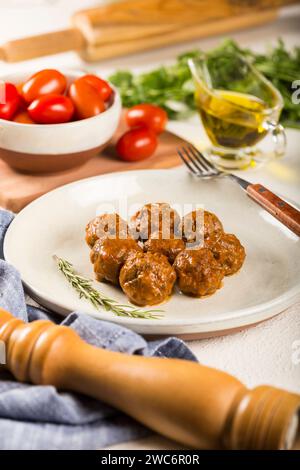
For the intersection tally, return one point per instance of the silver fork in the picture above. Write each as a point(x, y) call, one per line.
point(200, 166)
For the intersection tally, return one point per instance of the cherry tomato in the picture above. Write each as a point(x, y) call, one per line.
point(86, 99)
point(149, 115)
point(23, 104)
point(45, 82)
point(23, 117)
point(12, 101)
point(101, 86)
point(51, 109)
point(19, 87)
point(136, 144)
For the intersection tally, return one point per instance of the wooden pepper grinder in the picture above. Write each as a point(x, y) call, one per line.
point(197, 406)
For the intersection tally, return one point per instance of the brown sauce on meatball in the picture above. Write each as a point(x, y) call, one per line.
point(155, 217)
point(229, 253)
point(147, 278)
point(108, 256)
point(105, 225)
point(170, 247)
point(203, 226)
point(198, 272)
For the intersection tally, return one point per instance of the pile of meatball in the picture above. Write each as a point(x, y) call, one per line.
point(157, 248)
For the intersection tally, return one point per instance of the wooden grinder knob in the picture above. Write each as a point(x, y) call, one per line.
point(195, 405)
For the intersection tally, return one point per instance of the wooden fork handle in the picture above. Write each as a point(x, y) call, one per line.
point(280, 209)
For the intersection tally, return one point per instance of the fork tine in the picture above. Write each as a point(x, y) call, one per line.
point(204, 159)
point(192, 160)
point(193, 157)
point(186, 162)
point(196, 156)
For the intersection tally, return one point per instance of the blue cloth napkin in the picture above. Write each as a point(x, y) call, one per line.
point(40, 417)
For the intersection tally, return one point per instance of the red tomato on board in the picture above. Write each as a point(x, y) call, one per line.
point(12, 101)
point(51, 109)
point(149, 115)
point(42, 83)
point(87, 100)
point(101, 86)
point(23, 118)
point(136, 144)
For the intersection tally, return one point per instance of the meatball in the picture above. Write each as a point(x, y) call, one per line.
point(147, 278)
point(110, 225)
point(170, 247)
point(202, 225)
point(198, 272)
point(108, 256)
point(229, 253)
point(155, 217)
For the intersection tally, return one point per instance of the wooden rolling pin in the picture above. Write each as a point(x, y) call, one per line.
point(136, 25)
point(198, 406)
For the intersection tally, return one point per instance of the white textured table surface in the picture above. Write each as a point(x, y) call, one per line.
point(270, 352)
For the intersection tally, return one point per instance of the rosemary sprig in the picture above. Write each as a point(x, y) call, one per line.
point(86, 290)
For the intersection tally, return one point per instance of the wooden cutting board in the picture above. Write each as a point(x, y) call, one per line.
point(17, 189)
point(131, 26)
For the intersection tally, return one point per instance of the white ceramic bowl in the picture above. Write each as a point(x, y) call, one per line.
point(46, 148)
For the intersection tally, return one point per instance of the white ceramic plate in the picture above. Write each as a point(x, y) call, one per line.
point(55, 224)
